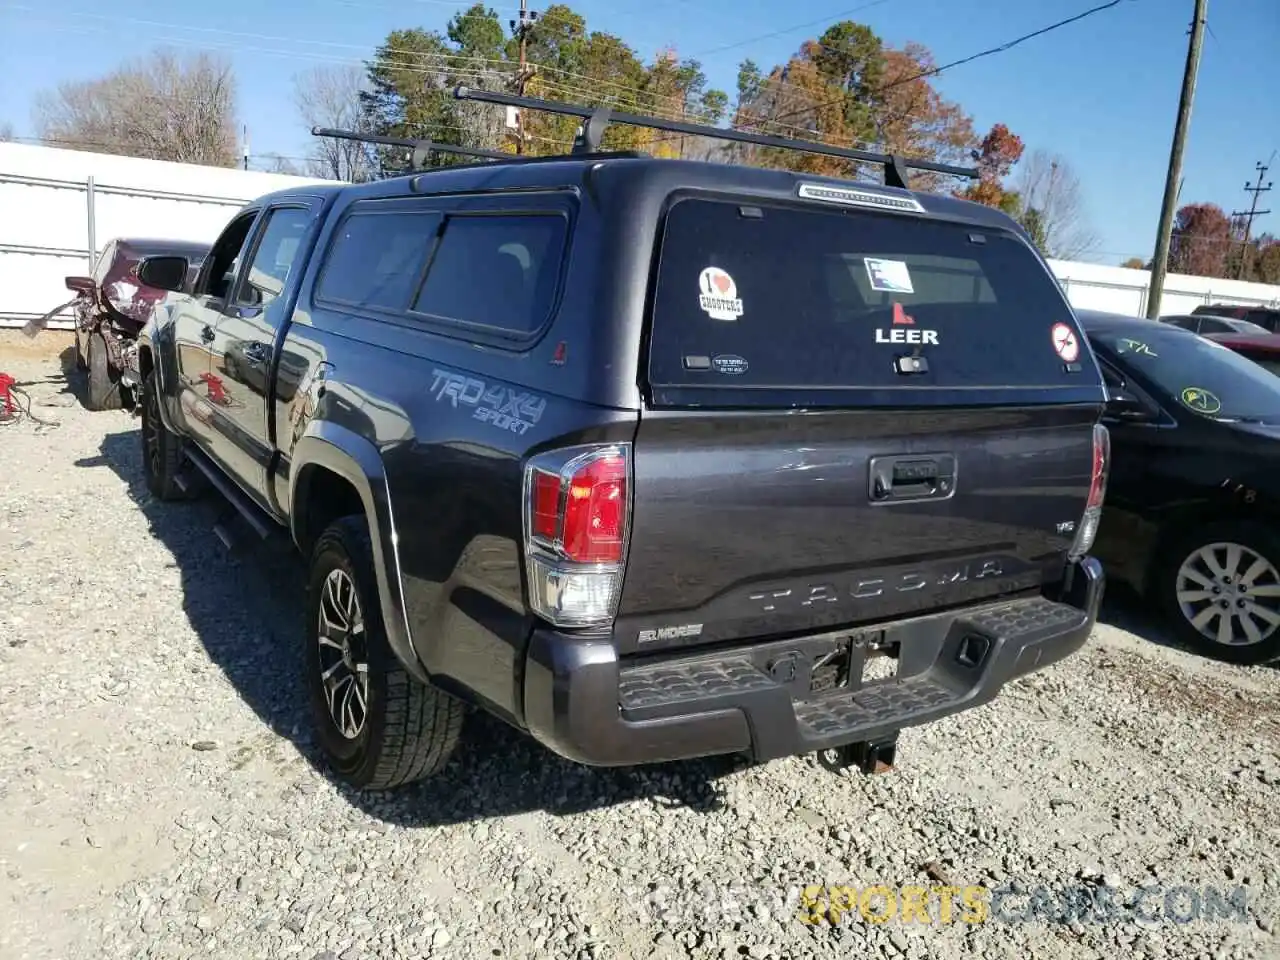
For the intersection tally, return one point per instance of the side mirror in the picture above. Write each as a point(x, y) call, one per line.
point(1122, 403)
point(163, 273)
point(80, 284)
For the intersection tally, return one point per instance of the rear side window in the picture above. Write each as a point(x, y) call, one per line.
point(784, 297)
point(498, 271)
point(493, 270)
point(376, 259)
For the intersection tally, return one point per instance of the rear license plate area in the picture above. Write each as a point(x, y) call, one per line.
point(857, 661)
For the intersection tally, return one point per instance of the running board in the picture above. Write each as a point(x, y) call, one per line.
point(261, 524)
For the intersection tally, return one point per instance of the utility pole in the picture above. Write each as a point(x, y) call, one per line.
point(1249, 217)
point(521, 30)
point(1160, 262)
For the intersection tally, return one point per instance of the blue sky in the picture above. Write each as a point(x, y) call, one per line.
point(1102, 92)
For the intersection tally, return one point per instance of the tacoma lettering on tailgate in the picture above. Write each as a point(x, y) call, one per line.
point(866, 588)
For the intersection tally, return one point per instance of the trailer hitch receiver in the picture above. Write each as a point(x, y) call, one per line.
point(869, 756)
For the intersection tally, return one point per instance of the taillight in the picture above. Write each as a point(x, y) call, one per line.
point(1088, 528)
point(1101, 464)
point(577, 512)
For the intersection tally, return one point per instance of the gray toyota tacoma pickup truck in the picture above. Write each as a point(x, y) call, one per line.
point(652, 459)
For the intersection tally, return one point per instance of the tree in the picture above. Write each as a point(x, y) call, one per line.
point(412, 76)
point(1264, 260)
point(6, 132)
point(1201, 241)
point(999, 150)
point(406, 95)
point(163, 107)
point(1047, 184)
point(847, 88)
point(330, 97)
point(913, 119)
point(1135, 263)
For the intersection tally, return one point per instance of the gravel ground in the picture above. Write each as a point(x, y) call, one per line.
point(159, 796)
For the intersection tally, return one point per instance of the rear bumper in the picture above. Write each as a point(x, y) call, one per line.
point(584, 704)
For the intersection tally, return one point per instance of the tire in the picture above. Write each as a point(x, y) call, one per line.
point(104, 379)
point(1225, 566)
point(162, 456)
point(407, 731)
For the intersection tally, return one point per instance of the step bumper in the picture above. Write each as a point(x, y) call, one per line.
point(585, 704)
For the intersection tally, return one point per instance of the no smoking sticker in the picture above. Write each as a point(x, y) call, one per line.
point(1065, 342)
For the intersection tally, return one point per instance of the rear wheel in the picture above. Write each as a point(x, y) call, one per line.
point(162, 456)
point(1219, 586)
point(104, 379)
point(378, 727)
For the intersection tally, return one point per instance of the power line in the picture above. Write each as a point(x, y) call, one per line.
point(791, 29)
point(992, 51)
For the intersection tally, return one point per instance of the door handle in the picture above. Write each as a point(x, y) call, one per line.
point(206, 333)
point(906, 478)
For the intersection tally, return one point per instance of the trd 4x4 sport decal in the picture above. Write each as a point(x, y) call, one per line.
point(500, 405)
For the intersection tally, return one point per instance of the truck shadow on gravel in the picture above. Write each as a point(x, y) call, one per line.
point(246, 608)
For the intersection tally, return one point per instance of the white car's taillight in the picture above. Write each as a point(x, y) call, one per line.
point(576, 521)
point(1088, 528)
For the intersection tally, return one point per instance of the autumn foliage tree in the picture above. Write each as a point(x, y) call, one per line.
point(1262, 260)
point(999, 151)
point(848, 88)
point(1201, 241)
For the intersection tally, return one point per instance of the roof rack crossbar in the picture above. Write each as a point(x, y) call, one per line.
point(422, 149)
point(598, 118)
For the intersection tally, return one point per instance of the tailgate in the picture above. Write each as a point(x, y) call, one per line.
point(777, 525)
point(852, 415)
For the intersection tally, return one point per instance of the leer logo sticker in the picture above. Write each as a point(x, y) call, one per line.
point(719, 299)
point(1065, 342)
point(898, 335)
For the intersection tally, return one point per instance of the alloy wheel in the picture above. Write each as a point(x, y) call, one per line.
point(344, 661)
point(1230, 594)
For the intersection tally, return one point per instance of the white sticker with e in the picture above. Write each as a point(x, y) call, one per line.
point(718, 295)
point(888, 276)
point(1065, 342)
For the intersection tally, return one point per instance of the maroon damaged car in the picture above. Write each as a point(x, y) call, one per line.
point(112, 306)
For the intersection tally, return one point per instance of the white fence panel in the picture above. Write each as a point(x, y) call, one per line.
point(39, 213)
point(60, 208)
point(118, 213)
